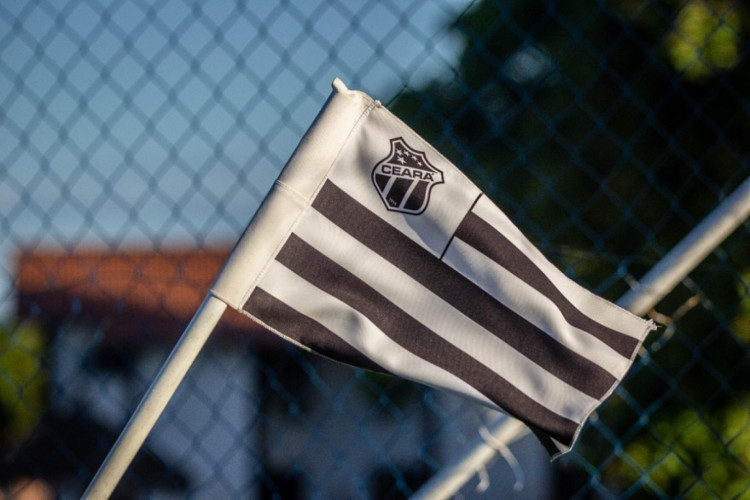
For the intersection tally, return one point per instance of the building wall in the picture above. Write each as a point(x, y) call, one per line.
point(238, 421)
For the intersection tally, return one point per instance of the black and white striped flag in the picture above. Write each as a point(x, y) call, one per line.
point(374, 250)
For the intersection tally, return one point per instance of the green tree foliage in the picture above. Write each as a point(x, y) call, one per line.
point(23, 382)
point(607, 131)
point(689, 453)
point(706, 38)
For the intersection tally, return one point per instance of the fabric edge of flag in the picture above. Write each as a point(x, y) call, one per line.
point(290, 194)
point(649, 326)
point(608, 313)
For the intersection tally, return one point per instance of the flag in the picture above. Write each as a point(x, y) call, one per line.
point(373, 249)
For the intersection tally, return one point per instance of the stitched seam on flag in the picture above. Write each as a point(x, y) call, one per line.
point(450, 240)
point(442, 318)
point(330, 277)
point(287, 188)
point(372, 105)
point(307, 202)
point(411, 258)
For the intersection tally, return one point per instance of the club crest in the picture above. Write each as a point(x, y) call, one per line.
point(405, 178)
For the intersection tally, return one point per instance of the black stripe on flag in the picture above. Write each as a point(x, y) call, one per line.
point(398, 190)
point(482, 236)
point(461, 293)
point(304, 330)
point(332, 278)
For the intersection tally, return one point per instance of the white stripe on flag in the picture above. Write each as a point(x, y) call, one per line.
point(443, 319)
point(358, 331)
point(525, 301)
point(592, 305)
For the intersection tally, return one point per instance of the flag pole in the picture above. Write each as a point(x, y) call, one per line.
point(654, 285)
point(156, 398)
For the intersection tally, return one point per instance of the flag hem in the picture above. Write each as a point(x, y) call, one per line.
point(648, 328)
point(291, 193)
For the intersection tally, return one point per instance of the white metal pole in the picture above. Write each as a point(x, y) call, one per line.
point(445, 483)
point(156, 398)
point(662, 278)
point(693, 248)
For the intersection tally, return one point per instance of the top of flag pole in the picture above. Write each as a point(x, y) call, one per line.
point(319, 147)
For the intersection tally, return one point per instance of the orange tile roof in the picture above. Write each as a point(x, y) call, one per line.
point(130, 295)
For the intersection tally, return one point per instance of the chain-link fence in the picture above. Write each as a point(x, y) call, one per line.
point(137, 139)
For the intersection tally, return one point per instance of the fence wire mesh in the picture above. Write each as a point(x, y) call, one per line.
point(138, 138)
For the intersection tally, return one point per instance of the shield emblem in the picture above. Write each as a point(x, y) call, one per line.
point(405, 178)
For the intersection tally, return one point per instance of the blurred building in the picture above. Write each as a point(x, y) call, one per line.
point(240, 422)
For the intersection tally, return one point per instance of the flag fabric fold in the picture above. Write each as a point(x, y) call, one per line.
point(373, 249)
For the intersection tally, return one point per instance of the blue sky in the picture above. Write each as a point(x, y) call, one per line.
point(163, 123)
